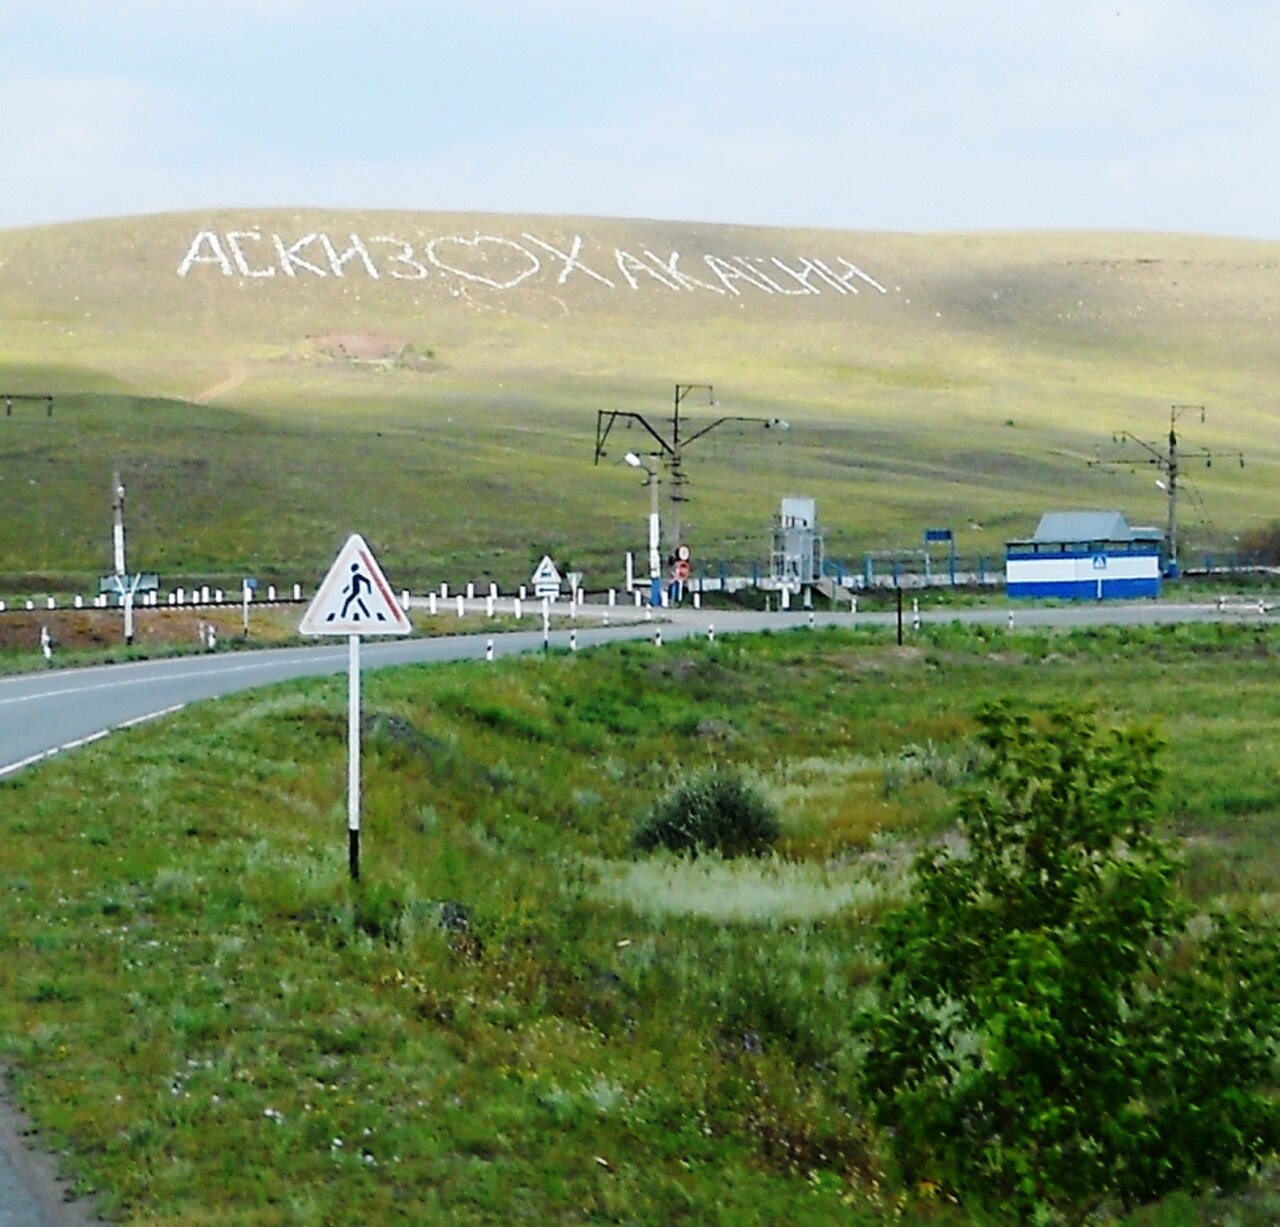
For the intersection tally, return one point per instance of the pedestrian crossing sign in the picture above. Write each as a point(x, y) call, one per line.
point(355, 598)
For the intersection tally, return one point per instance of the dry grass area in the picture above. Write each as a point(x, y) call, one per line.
point(87, 630)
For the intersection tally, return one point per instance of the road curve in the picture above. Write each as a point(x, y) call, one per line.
point(42, 714)
point(47, 712)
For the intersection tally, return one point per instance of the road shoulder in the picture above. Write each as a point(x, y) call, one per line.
point(31, 1192)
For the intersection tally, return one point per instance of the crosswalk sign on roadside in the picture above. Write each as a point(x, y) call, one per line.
point(355, 598)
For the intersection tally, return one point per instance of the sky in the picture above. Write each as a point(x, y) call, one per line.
point(885, 115)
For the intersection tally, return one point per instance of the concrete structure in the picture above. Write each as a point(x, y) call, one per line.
point(1085, 555)
point(795, 560)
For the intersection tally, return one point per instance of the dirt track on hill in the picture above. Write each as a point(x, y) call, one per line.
point(230, 384)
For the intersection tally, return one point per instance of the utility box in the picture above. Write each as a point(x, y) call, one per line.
point(795, 559)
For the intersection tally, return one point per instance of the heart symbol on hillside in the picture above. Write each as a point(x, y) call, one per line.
point(486, 259)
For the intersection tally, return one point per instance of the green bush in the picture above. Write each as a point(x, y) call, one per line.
point(716, 811)
point(1056, 1030)
point(1262, 545)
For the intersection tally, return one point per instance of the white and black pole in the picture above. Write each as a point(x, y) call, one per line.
point(353, 756)
point(117, 522)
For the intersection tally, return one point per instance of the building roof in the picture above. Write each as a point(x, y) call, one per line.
point(1071, 526)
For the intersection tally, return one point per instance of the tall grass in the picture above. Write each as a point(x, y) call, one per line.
point(513, 1016)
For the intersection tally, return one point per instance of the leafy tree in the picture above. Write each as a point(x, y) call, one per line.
point(1055, 1030)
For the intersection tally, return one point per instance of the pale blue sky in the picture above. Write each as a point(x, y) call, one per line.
point(879, 115)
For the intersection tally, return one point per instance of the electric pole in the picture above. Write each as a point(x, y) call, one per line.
point(1169, 463)
point(671, 445)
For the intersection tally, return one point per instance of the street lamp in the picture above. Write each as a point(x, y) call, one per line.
point(655, 530)
point(671, 443)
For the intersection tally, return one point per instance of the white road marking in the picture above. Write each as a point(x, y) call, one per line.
point(116, 683)
point(151, 715)
point(11, 768)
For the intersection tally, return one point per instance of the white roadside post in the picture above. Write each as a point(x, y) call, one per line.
point(354, 600)
point(246, 595)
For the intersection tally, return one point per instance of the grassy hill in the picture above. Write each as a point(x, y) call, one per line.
point(268, 381)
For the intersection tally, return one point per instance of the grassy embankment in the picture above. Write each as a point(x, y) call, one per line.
point(513, 1019)
point(970, 394)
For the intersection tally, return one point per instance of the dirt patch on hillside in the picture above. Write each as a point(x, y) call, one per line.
point(380, 348)
point(361, 346)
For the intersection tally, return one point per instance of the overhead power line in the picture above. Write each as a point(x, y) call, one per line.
point(1169, 461)
point(670, 444)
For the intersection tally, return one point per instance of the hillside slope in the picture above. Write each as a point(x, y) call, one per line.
point(457, 362)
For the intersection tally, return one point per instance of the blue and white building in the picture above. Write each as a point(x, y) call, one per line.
point(1087, 556)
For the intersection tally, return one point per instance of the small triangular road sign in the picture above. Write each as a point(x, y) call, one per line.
point(546, 571)
point(355, 598)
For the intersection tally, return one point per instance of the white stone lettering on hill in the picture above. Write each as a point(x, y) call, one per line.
point(466, 257)
point(291, 261)
point(753, 262)
point(403, 256)
point(809, 269)
point(237, 253)
point(685, 281)
point(503, 263)
point(356, 250)
point(731, 272)
point(570, 259)
point(206, 248)
point(629, 265)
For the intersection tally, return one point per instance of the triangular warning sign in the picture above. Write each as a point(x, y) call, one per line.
point(355, 598)
point(546, 572)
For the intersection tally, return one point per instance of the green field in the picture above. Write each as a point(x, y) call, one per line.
point(450, 417)
point(514, 1018)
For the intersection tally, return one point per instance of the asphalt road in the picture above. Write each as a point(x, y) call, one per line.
point(43, 713)
point(46, 713)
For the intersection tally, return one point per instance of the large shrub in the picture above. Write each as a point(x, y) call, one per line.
point(715, 811)
point(1261, 546)
point(1054, 1030)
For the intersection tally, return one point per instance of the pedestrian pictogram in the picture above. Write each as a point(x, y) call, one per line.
point(354, 598)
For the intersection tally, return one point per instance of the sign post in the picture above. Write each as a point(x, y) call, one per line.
point(354, 599)
point(353, 756)
point(941, 534)
point(126, 587)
